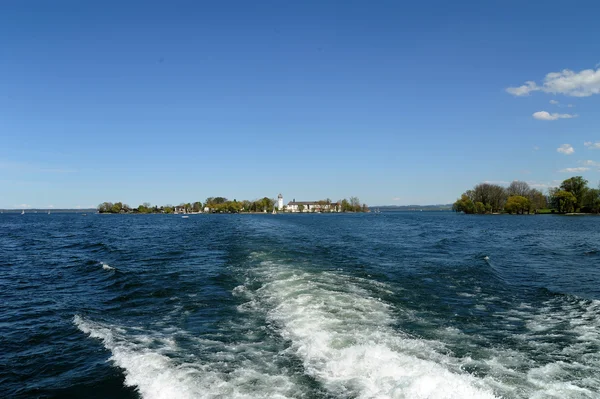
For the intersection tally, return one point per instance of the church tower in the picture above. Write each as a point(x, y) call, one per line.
point(280, 202)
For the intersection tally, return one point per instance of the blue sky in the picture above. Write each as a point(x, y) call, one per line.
point(394, 102)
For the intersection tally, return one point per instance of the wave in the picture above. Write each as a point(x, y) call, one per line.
point(105, 266)
point(345, 339)
point(555, 352)
point(161, 367)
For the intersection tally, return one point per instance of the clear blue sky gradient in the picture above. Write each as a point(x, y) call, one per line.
point(394, 102)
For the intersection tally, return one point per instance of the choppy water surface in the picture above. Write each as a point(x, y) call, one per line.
point(407, 305)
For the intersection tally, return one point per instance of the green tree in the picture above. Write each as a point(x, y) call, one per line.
point(537, 200)
point(355, 204)
point(517, 204)
point(577, 186)
point(197, 206)
point(346, 207)
point(591, 200)
point(489, 194)
point(300, 208)
point(564, 201)
point(479, 208)
point(105, 207)
point(464, 204)
point(246, 206)
point(116, 208)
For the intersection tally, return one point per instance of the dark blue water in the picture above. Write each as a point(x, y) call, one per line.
point(407, 305)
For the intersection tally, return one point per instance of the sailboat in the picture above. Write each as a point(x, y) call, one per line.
point(23, 212)
point(48, 212)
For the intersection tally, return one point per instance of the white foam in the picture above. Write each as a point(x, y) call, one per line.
point(107, 267)
point(557, 355)
point(161, 370)
point(345, 340)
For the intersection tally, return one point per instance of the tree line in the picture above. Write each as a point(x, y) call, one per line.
point(573, 195)
point(224, 205)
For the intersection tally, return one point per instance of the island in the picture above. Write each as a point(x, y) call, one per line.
point(573, 196)
point(223, 205)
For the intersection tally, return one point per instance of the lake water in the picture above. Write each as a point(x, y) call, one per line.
point(394, 305)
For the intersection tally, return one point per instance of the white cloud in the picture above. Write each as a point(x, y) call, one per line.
point(546, 116)
point(553, 102)
point(566, 149)
point(570, 105)
point(567, 82)
point(523, 90)
point(574, 170)
point(592, 146)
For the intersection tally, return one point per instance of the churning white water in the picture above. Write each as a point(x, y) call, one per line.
point(346, 341)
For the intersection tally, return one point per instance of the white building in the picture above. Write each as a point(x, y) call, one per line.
point(313, 206)
point(280, 202)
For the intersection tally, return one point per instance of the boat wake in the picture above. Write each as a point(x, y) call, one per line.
point(305, 333)
point(346, 340)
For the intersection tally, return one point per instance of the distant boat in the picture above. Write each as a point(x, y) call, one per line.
point(185, 217)
point(23, 212)
point(48, 212)
point(84, 214)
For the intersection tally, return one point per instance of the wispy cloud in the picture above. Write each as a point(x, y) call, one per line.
point(559, 105)
point(523, 90)
point(397, 199)
point(546, 116)
point(566, 149)
point(567, 82)
point(543, 185)
point(535, 148)
point(574, 170)
point(589, 163)
point(592, 146)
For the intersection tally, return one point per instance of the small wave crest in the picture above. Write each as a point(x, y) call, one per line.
point(105, 266)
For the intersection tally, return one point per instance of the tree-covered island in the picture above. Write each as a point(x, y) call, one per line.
point(573, 195)
point(223, 205)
